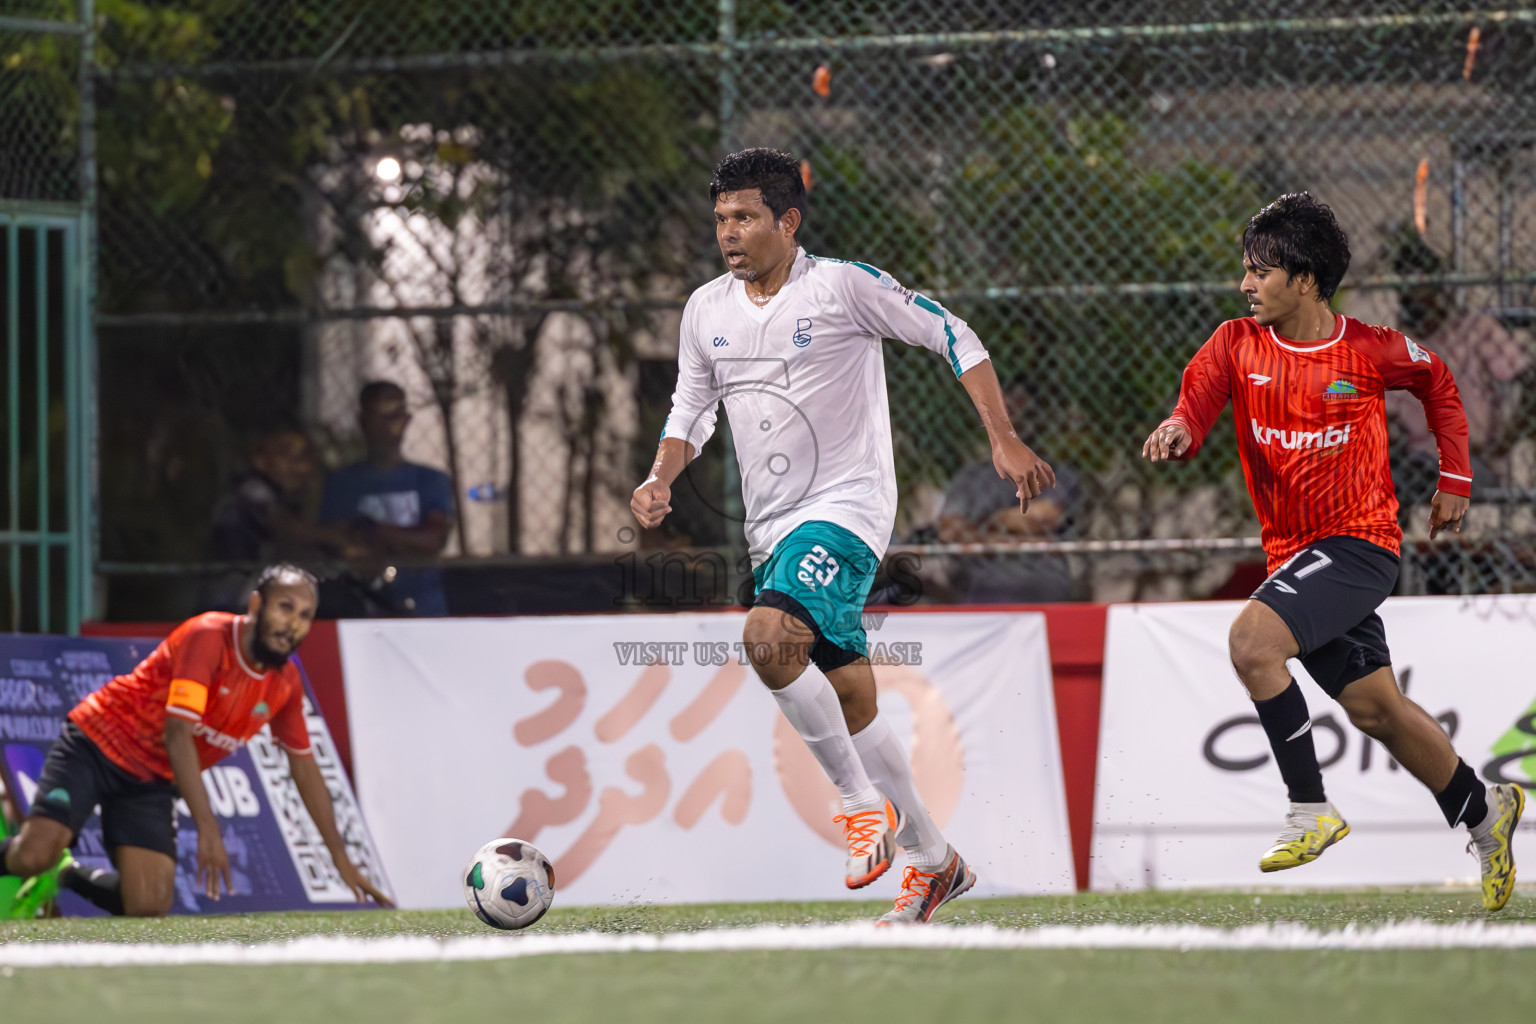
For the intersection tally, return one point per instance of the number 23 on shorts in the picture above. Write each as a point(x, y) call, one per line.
point(817, 567)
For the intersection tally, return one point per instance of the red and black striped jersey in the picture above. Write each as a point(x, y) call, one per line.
point(1312, 426)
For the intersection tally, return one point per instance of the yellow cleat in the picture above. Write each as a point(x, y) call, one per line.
point(1506, 802)
point(1308, 832)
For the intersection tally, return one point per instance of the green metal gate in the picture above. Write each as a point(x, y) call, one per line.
point(47, 204)
point(44, 568)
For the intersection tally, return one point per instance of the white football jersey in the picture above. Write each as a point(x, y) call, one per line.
point(803, 382)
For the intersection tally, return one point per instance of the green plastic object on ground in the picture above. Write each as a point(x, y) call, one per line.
point(8, 883)
point(36, 892)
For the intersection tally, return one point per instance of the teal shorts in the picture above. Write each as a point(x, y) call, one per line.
point(827, 571)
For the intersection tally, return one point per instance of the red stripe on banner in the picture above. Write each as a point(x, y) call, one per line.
point(1076, 635)
point(321, 655)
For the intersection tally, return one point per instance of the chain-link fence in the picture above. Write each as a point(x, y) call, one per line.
point(502, 206)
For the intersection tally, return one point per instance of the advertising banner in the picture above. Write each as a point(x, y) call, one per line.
point(1188, 794)
point(277, 860)
point(641, 753)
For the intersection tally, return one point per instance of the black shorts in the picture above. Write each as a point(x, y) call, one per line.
point(1328, 594)
point(77, 777)
point(824, 654)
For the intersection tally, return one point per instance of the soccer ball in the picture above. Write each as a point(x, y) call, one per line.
point(509, 884)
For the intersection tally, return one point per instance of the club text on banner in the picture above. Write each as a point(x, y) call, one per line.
point(277, 859)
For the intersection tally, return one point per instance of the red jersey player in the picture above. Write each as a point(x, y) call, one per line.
point(1307, 387)
point(138, 742)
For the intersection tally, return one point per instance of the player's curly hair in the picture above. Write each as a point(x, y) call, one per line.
point(284, 574)
point(1299, 235)
point(773, 172)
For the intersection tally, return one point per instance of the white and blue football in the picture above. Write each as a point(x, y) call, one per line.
point(509, 884)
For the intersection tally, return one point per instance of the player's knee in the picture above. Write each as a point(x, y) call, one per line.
point(27, 861)
point(1370, 721)
point(32, 855)
point(1250, 654)
point(1372, 717)
point(772, 652)
point(153, 901)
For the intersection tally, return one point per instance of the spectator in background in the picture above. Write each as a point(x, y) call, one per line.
point(264, 519)
point(981, 507)
point(391, 509)
point(1485, 357)
point(1487, 361)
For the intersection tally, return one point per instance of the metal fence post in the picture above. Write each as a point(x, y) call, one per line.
point(80, 396)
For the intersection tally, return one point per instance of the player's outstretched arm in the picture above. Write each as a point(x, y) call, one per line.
point(652, 500)
point(1011, 457)
point(1446, 512)
point(317, 801)
point(1169, 441)
point(212, 859)
point(1204, 390)
point(1408, 366)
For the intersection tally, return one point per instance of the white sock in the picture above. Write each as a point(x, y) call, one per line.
point(1323, 808)
point(812, 707)
point(1481, 830)
point(886, 762)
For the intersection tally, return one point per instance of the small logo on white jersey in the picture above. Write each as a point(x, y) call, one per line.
point(802, 332)
point(1259, 378)
point(887, 281)
point(1415, 353)
point(1329, 438)
point(720, 343)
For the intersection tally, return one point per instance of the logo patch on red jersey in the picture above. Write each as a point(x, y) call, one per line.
point(1341, 390)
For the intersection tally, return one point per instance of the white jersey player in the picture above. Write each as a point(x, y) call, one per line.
point(790, 344)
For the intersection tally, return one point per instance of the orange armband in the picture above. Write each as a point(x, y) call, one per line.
point(188, 694)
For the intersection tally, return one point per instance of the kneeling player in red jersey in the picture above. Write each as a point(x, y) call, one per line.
point(143, 739)
point(1307, 387)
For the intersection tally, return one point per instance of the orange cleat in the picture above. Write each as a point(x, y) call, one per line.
point(923, 892)
point(871, 839)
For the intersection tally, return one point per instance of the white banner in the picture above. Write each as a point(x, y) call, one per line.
point(646, 759)
point(1188, 794)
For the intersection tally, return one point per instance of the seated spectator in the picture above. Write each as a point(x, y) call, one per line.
point(391, 509)
point(1484, 357)
point(264, 519)
point(981, 507)
point(1488, 362)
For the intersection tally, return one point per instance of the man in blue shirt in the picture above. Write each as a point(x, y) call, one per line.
point(392, 509)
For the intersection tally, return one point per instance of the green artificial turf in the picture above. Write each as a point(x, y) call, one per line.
point(844, 986)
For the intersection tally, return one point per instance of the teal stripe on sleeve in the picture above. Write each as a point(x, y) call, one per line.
point(871, 271)
point(924, 302)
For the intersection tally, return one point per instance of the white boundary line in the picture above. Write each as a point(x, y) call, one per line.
point(1412, 934)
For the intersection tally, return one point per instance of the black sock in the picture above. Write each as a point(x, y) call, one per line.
point(1464, 800)
point(1288, 725)
point(5, 848)
point(101, 887)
